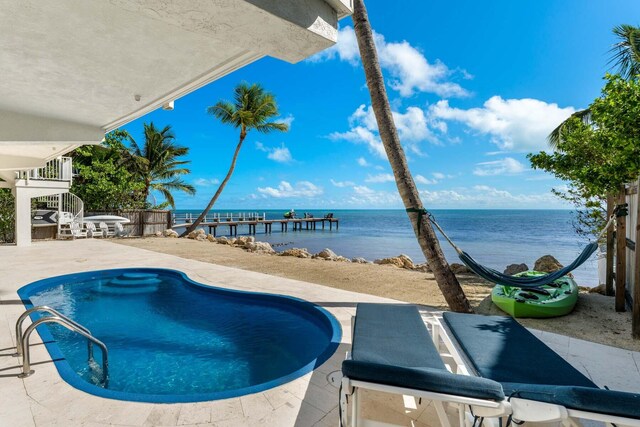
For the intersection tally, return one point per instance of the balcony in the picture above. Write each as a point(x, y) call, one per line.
point(59, 169)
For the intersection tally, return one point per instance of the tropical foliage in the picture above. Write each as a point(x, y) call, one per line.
point(253, 108)
point(103, 179)
point(158, 164)
point(7, 215)
point(600, 155)
point(120, 173)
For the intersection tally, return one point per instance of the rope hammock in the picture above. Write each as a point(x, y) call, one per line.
point(495, 276)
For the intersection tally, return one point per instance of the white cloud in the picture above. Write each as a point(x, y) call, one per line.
point(286, 190)
point(412, 125)
point(287, 120)
point(422, 180)
point(206, 182)
point(342, 184)
point(365, 196)
point(483, 196)
point(410, 70)
point(363, 162)
point(506, 166)
point(277, 154)
point(513, 124)
point(381, 177)
point(438, 175)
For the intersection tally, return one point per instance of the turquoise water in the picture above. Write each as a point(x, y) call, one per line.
point(494, 237)
point(172, 340)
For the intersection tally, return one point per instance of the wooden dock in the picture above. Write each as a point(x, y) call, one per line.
point(296, 223)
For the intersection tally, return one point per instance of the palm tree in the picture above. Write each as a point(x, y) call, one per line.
point(158, 163)
point(447, 281)
point(253, 108)
point(625, 57)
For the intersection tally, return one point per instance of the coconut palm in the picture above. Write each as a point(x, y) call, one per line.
point(158, 163)
point(447, 281)
point(625, 57)
point(253, 108)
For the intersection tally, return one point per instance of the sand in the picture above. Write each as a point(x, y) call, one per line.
point(594, 318)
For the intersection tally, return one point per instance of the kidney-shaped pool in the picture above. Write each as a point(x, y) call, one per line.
point(171, 339)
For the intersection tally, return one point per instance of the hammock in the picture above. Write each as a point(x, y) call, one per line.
point(521, 282)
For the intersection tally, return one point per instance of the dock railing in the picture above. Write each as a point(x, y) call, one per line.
point(188, 218)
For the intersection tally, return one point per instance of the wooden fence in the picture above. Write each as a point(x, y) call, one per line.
point(143, 222)
point(624, 253)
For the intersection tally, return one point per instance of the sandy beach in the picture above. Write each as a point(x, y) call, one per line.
point(593, 319)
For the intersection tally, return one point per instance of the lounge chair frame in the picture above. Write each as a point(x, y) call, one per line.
point(521, 409)
point(468, 409)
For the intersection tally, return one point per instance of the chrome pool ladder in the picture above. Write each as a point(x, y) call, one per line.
point(22, 339)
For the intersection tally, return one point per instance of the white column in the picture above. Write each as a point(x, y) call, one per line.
point(23, 217)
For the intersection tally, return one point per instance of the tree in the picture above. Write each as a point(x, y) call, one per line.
point(253, 108)
point(625, 57)
point(447, 281)
point(157, 163)
point(103, 180)
point(601, 155)
point(7, 216)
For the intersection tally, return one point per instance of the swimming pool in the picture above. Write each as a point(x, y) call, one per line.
point(171, 339)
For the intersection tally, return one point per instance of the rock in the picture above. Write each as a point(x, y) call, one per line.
point(250, 239)
point(170, 233)
point(296, 252)
point(400, 261)
point(222, 240)
point(359, 260)
point(240, 241)
point(600, 289)
point(232, 241)
point(158, 234)
point(327, 254)
point(515, 269)
point(259, 247)
point(211, 238)
point(201, 237)
point(340, 258)
point(459, 269)
point(195, 233)
point(424, 267)
point(547, 264)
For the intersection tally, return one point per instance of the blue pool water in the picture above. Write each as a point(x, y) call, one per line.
point(173, 340)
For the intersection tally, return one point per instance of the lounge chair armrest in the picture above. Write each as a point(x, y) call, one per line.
point(428, 379)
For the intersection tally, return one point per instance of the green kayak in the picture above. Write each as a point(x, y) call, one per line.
point(556, 299)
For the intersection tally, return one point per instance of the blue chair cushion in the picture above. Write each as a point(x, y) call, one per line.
point(393, 334)
point(421, 378)
point(391, 345)
point(501, 349)
point(582, 398)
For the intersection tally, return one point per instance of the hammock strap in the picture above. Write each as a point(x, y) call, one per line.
point(421, 212)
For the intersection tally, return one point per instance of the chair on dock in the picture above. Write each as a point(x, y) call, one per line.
point(502, 370)
point(329, 216)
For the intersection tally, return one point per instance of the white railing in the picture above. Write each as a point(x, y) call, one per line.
point(186, 217)
point(70, 210)
point(60, 169)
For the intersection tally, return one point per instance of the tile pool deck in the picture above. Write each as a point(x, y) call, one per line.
point(44, 399)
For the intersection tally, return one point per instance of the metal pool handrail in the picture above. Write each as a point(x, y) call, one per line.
point(71, 325)
point(47, 309)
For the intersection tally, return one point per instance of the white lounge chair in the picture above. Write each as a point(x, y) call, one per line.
point(91, 229)
point(503, 373)
point(76, 230)
point(120, 230)
point(104, 230)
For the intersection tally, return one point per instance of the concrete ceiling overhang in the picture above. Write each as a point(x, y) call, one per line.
point(73, 69)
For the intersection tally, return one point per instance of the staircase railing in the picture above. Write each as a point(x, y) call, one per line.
point(69, 206)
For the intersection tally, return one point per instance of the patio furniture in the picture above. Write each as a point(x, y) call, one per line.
point(120, 231)
point(104, 230)
point(502, 370)
point(76, 230)
point(393, 352)
point(91, 229)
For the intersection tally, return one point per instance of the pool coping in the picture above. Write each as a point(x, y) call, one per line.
point(68, 374)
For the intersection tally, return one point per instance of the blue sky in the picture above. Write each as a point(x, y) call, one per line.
point(474, 86)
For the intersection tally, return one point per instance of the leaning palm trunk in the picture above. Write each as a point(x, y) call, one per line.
point(213, 200)
point(447, 281)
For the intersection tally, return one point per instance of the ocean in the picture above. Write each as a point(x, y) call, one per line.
point(495, 238)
